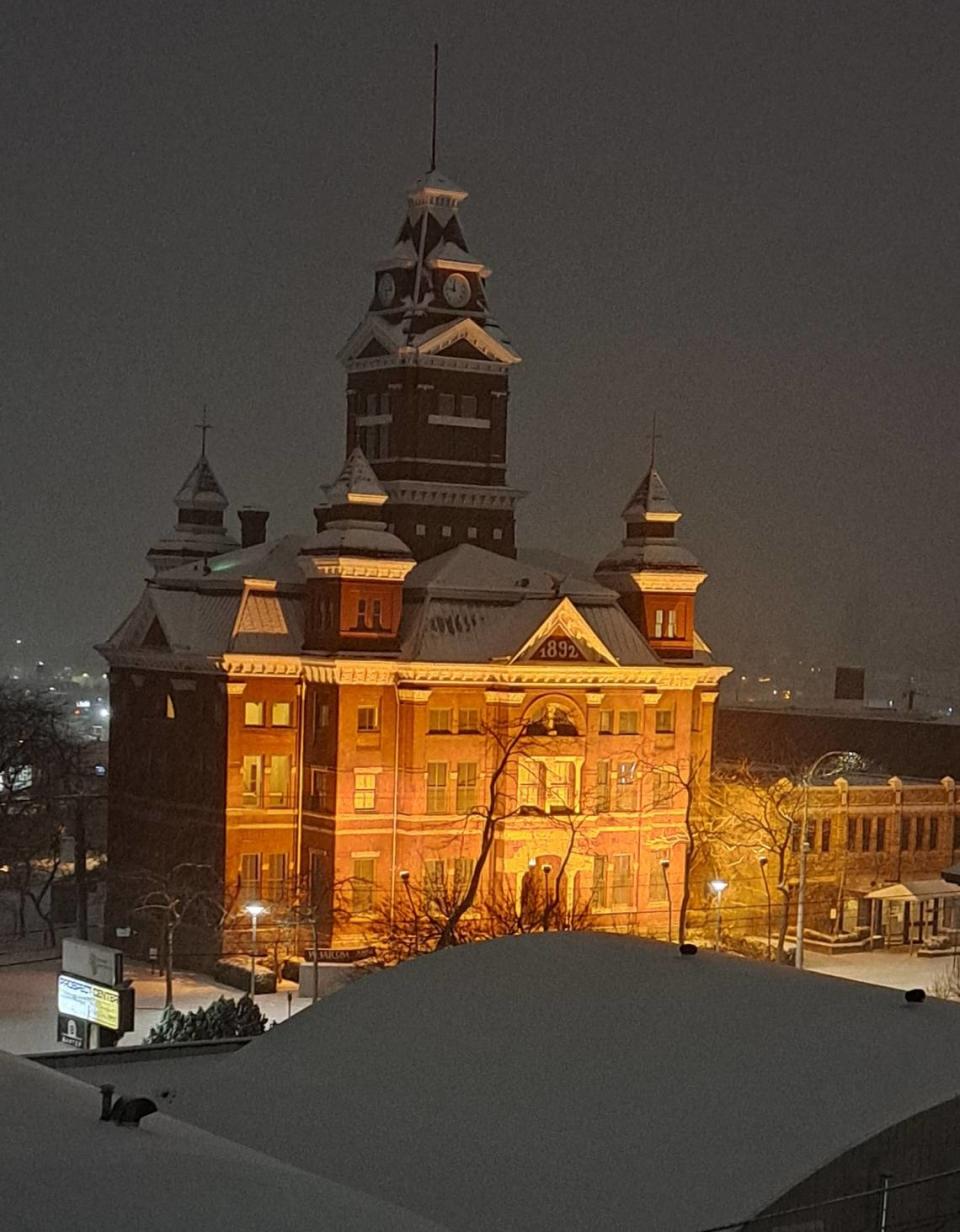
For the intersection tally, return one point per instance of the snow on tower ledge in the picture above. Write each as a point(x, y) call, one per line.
point(199, 532)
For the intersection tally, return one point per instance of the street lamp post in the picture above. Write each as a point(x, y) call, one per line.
point(718, 886)
point(405, 879)
point(545, 869)
point(664, 866)
point(254, 911)
point(762, 861)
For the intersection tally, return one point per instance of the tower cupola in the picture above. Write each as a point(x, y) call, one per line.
point(199, 532)
point(656, 576)
point(354, 567)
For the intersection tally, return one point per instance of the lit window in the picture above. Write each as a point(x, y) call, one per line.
point(561, 787)
point(275, 876)
point(280, 714)
point(471, 532)
point(362, 885)
point(606, 722)
point(664, 721)
point(252, 780)
point(531, 781)
point(603, 785)
point(665, 623)
point(171, 710)
point(253, 714)
point(436, 786)
point(364, 791)
point(278, 791)
point(466, 786)
point(468, 720)
point(446, 531)
point(367, 719)
point(628, 722)
point(658, 622)
point(250, 875)
point(672, 623)
point(548, 784)
point(440, 721)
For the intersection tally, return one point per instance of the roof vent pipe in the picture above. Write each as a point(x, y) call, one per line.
point(253, 525)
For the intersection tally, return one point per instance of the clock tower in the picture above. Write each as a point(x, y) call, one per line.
point(427, 384)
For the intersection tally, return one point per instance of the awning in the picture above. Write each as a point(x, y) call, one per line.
point(916, 891)
point(952, 874)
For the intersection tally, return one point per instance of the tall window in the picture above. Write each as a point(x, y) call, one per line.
point(825, 828)
point(598, 897)
point(548, 783)
point(696, 712)
point(956, 832)
point(275, 876)
point(321, 713)
point(852, 834)
point(369, 616)
point(468, 406)
point(864, 833)
point(170, 709)
point(904, 833)
point(664, 721)
point(322, 789)
point(368, 719)
point(462, 872)
point(622, 882)
point(253, 781)
point(440, 721)
point(603, 785)
point(466, 786)
point(468, 720)
point(363, 884)
point(250, 875)
point(933, 833)
point(629, 722)
point(881, 834)
point(663, 788)
point(437, 786)
point(253, 714)
point(278, 789)
point(606, 722)
point(280, 714)
point(531, 779)
point(364, 791)
point(446, 404)
point(918, 833)
point(434, 882)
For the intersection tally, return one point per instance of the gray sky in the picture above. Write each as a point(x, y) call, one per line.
point(740, 215)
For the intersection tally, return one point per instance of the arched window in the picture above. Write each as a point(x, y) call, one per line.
point(553, 718)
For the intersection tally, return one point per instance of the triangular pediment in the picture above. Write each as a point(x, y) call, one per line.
point(439, 342)
point(564, 637)
point(373, 348)
point(155, 638)
point(370, 331)
point(462, 349)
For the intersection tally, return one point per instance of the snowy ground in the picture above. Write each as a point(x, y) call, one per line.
point(28, 1002)
point(896, 968)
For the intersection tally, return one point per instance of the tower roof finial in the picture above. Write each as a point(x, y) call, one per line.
point(433, 137)
point(654, 437)
point(204, 425)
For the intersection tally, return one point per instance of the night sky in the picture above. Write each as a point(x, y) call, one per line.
point(742, 216)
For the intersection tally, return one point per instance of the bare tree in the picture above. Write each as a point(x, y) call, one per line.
point(187, 892)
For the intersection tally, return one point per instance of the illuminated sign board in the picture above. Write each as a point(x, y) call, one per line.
point(107, 1007)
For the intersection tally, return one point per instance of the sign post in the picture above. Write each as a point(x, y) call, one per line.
point(95, 1005)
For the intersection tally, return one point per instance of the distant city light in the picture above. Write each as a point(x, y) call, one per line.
point(103, 713)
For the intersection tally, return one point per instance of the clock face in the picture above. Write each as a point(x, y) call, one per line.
point(386, 289)
point(456, 290)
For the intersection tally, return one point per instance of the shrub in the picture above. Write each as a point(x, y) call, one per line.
point(224, 1019)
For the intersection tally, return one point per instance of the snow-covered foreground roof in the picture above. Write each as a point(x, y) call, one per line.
point(582, 1081)
point(62, 1167)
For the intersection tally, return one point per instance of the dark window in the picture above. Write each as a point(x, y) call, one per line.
point(904, 834)
point(881, 834)
point(918, 833)
point(933, 836)
point(825, 828)
point(956, 832)
point(864, 833)
point(851, 834)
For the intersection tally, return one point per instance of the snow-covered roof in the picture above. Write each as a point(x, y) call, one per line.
point(62, 1167)
point(915, 891)
point(201, 488)
point(356, 482)
point(651, 498)
point(582, 1081)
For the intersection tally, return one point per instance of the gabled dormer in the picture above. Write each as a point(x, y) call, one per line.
point(656, 576)
point(199, 532)
point(355, 568)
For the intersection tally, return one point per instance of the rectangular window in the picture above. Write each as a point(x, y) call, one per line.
point(446, 404)
point(280, 714)
point(468, 406)
point(471, 532)
point(278, 782)
point(364, 791)
point(629, 724)
point(462, 872)
point(421, 529)
point(497, 533)
point(372, 404)
point(664, 721)
point(852, 834)
point(321, 713)
point(918, 832)
point(253, 714)
point(362, 885)
point(825, 827)
point(672, 622)
point(322, 789)
point(904, 833)
point(658, 622)
point(696, 712)
point(598, 897)
point(466, 786)
point(436, 786)
point(881, 834)
point(319, 886)
point(864, 833)
point(561, 787)
point(956, 832)
point(171, 710)
point(663, 788)
point(933, 834)
point(368, 719)
point(603, 785)
point(606, 722)
point(434, 882)
point(468, 721)
point(440, 721)
point(530, 784)
point(250, 876)
point(622, 881)
point(253, 781)
point(275, 876)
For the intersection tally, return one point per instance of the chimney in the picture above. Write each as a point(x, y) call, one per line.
point(253, 526)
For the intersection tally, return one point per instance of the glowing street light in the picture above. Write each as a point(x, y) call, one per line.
point(717, 886)
point(254, 911)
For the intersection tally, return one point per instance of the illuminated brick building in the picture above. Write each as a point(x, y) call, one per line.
point(323, 710)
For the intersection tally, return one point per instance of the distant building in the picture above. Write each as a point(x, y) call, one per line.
point(322, 713)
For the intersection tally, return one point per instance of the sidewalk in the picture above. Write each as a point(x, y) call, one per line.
point(28, 1001)
point(894, 968)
